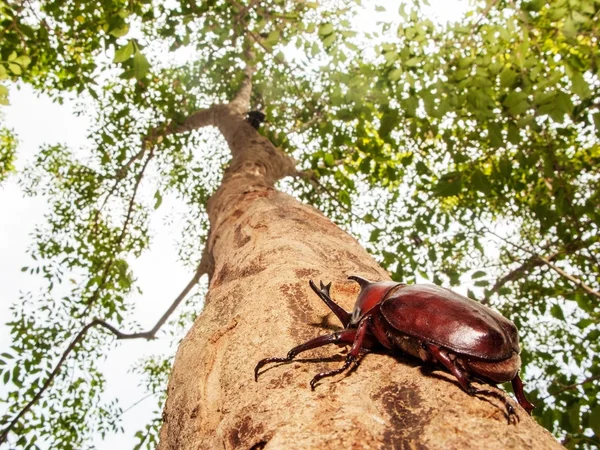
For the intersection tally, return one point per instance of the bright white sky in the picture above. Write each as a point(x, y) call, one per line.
point(38, 121)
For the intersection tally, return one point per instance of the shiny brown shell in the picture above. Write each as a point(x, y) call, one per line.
point(443, 317)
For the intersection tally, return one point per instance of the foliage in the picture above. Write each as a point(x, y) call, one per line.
point(464, 154)
point(8, 149)
point(482, 141)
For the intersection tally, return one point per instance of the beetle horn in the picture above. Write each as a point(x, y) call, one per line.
point(362, 281)
point(326, 287)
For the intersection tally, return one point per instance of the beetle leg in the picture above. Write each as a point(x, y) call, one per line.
point(339, 337)
point(378, 330)
point(323, 293)
point(517, 386)
point(444, 359)
point(351, 358)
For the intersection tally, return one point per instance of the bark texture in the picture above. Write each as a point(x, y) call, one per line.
point(264, 247)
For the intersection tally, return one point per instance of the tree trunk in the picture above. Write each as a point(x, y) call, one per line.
point(264, 247)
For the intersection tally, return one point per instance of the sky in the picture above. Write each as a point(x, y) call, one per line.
point(37, 122)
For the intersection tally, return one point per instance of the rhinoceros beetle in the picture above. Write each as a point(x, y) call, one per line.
point(429, 322)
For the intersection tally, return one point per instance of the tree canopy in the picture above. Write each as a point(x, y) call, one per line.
point(465, 154)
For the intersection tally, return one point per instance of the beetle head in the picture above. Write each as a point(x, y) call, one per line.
point(371, 294)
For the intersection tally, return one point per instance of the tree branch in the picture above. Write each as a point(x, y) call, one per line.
point(47, 383)
point(572, 386)
point(241, 102)
point(569, 277)
point(548, 263)
point(530, 264)
point(203, 268)
point(199, 119)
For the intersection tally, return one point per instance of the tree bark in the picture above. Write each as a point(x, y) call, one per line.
point(264, 247)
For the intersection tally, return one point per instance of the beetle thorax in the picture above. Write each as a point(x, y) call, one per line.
point(371, 295)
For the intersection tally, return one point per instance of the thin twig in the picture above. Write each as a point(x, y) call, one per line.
point(130, 407)
point(118, 177)
point(111, 261)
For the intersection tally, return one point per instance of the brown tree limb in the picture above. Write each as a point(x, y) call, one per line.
point(590, 290)
point(548, 262)
point(529, 264)
point(571, 386)
point(203, 268)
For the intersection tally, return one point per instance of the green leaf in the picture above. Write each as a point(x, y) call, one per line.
point(516, 102)
point(395, 74)
point(15, 68)
point(563, 105)
point(273, 38)
point(574, 417)
point(391, 56)
point(449, 184)
point(388, 122)
point(570, 28)
point(3, 73)
point(326, 29)
point(513, 134)
point(461, 74)
point(594, 419)
point(344, 197)
point(508, 78)
point(505, 167)
point(140, 65)
point(478, 274)
point(495, 134)
point(119, 32)
point(158, 198)
point(124, 53)
point(412, 62)
point(329, 40)
point(596, 118)
point(580, 86)
point(410, 106)
point(315, 49)
point(23, 60)
point(481, 182)
point(542, 98)
point(557, 312)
